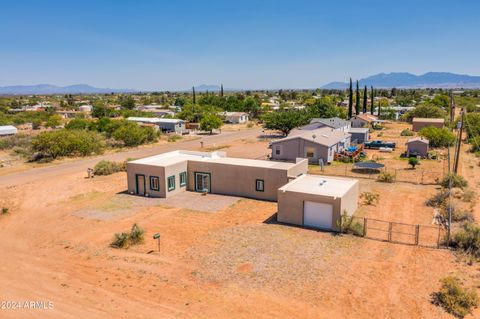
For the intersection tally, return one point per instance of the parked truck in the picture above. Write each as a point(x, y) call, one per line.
point(379, 144)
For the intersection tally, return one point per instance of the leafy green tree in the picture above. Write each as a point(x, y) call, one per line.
point(365, 99)
point(284, 121)
point(438, 137)
point(357, 102)
point(77, 124)
point(324, 107)
point(68, 143)
point(53, 121)
point(128, 103)
point(350, 100)
point(209, 122)
point(131, 134)
point(425, 111)
point(250, 105)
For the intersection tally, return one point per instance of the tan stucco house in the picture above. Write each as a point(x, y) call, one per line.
point(166, 174)
point(317, 201)
point(235, 117)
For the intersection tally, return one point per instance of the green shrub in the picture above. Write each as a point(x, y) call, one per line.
point(131, 134)
point(413, 161)
point(136, 235)
point(174, 138)
point(370, 198)
point(125, 240)
point(386, 177)
point(348, 225)
point(456, 181)
point(107, 168)
point(407, 132)
point(454, 298)
point(468, 239)
point(120, 240)
point(5, 210)
point(67, 143)
point(438, 137)
point(78, 124)
point(469, 196)
point(438, 199)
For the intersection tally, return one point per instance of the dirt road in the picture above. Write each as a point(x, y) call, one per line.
point(83, 164)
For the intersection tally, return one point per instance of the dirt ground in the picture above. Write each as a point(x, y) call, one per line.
point(230, 261)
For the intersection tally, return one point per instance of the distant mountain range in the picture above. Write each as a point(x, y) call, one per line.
point(54, 89)
point(408, 80)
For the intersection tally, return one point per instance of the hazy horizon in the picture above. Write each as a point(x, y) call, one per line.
point(150, 45)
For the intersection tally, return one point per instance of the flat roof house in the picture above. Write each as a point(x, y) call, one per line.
point(315, 145)
point(235, 117)
point(317, 201)
point(418, 123)
point(7, 130)
point(166, 174)
point(417, 146)
point(165, 125)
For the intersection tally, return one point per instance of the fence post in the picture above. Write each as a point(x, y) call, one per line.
point(417, 233)
point(390, 226)
point(438, 238)
point(365, 227)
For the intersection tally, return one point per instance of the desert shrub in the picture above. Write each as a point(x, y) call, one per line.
point(78, 124)
point(407, 132)
point(454, 298)
point(456, 181)
point(120, 240)
point(133, 135)
point(249, 124)
point(438, 137)
point(174, 138)
point(469, 195)
point(413, 161)
point(68, 143)
point(370, 198)
point(457, 214)
point(468, 239)
point(386, 177)
point(438, 199)
point(19, 140)
point(136, 235)
point(107, 168)
point(348, 225)
point(5, 210)
point(125, 240)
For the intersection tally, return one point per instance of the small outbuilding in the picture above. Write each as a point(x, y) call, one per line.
point(8, 130)
point(360, 135)
point(317, 201)
point(235, 117)
point(417, 146)
point(418, 123)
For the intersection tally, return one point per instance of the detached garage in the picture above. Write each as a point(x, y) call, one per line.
point(317, 201)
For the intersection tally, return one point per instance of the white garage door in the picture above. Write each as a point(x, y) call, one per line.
point(318, 215)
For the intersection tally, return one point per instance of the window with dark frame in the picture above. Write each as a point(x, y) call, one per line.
point(183, 179)
point(171, 183)
point(277, 150)
point(154, 183)
point(260, 185)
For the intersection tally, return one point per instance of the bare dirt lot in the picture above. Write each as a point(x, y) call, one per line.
point(214, 263)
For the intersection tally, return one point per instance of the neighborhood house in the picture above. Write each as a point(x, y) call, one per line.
point(418, 123)
point(315, 145)
point(236, 117)
point(167, 174)
point(363, 120)
point(165, 125)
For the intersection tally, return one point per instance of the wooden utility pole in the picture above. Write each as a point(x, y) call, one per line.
point(452, 108)
point(459, 143)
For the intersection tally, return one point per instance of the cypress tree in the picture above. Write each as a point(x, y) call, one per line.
point(372, 94)
point(193, 94)
point(221, 90)
point(350, 100)
point(357, 102)
point(365, 99)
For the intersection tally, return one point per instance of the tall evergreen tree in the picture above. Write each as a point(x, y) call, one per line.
point(193, 95)
point(365, 93)
point(357, 102)
point(372, 94)
point(350, 100)
point(378, 110)
point(221, 90)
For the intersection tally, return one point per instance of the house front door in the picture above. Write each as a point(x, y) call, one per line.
point(140, 184)
point(202, 182)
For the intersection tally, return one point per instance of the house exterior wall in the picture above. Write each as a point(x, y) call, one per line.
point(360, 138)
point(297, 148)
point(236, 119)
point(418, 147)
point(418, 125)
point(290, 205)
point(237, 180)
point(356, 122)
point(147, 170)
point(172, 127)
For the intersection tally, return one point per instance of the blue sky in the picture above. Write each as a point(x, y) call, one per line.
point(158, 45)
